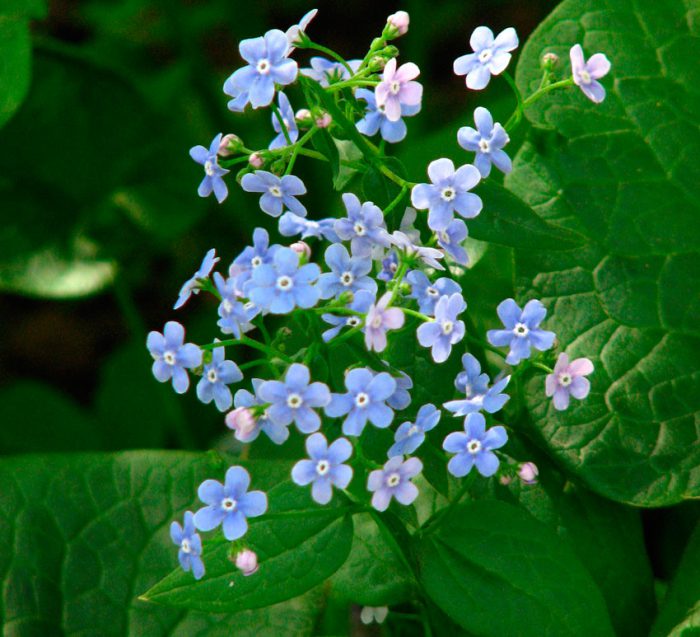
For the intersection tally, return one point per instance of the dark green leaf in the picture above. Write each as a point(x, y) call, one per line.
point(325, 144)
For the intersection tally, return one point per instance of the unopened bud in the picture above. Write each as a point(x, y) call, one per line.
point(324, 121)
point(505, 480)
point(256, 160)
point(377, 63)
point(302, 248)
point(549, 61)
point(398, 24)
point(302, 115)
point(247, 562)
point(370, 614)
point(528, 472)
point(229, 144)
point(242, 422)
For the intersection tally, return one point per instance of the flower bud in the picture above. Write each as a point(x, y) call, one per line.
point(302, 248)
point(229, 144)
point(528, 472)
point(324, 121)
point(242, 422)
point(398, 24)
point(370, 614)
point(505, 480)
point(303, 115)
point(549, 61)
point(247, 562)
point(256, 160)
point(377, 64)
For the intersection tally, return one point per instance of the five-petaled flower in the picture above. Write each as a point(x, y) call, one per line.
point(446, 330)
point(490, 57)
point(363, 227)
point(477, 393)
point(325, 469)
point(587, 74)
point(426, 293)
point(375, 119)
point(172, 356)
point(394, 481)
point(216, 376)
point(348, 274)
point(451, 238)
point(568, 379)
point(474, 446)
point(213, 173)
point(279, 193)
point(360, 305)
point(187, 538)
point(379, 320)
point(487, 141)
point(398, 89)
point(409, 436)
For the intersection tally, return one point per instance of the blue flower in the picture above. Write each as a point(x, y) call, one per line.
point(448, 193)
point(445, 331)
point(282, 285)
point(586, 74)
point(278, 193)
point(409, 436)
point(487, 141)
point(325, 469)
point(522, 330)
point(365, 400)
point(401, 399)
point(348, 274)
point(275, 432)
point(375, 119)
point(390, 264)
point(394, 481)
point(363, 227)
point(235, 315)
point(450, 240)
point(229, 504)
point(491, 56)
point(213, 173)
point(427, 293)
point(289, 121)
point(326, 72)
point(474, 447)
point(405, 245)
point(267, 65)
point(295, 399)
point(192, 286)
point(216, 376)
point(190, 545)
point(291, 225)
point(475, 387)
point(259, 253)
point(361, 302)
point(172, 356)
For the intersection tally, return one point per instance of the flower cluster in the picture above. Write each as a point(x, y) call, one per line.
point(379, 287)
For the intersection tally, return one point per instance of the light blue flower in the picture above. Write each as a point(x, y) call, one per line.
point(363, 227)
point(348, 274)
point(326, 72)
point(477, 393)
point(448, 193)
point(474, 447)
point(410, 436)
point(487, 141)
point(295, 399)
point(187, 538)
point(325, 469)
point(267, 65)
point(401, 399)
point(450, 240)
point(216, 376)
point(229, 504)
point(172, 356)
point(213, 173)
point(282, 285)
point(291, 225)
point(289, 122)
point(587, 74)
point(394, 481)
point(361, 303)
point(404, 243)
point(235, 314)
point(192, 286)
point(296, 31)
point(522, 330)
point(279, 194)
point(390, 264)
point(427, 293)
point(275, 432)
point(375, 119)
point(446, 330)
point(251, 257)
point(365, 401)
point(490, 57)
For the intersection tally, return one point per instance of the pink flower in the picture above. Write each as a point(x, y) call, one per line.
point(586, 73)
point(568, 380)
point(380, 319)
point(247, 562)
point(397, 88)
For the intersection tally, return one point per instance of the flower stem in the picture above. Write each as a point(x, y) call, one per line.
point(418, 315)
point(280, 119)
point(244, 340)
point(309, 44)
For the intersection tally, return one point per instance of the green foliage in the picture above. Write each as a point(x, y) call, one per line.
point(624, 175)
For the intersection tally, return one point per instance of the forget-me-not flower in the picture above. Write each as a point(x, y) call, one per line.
point(172, 356)
point(448, 193)
point(275, 432)
point(216, 376)
point(522, 330)
point(450, 240)
point(187, 538)
point(291, 225)
point(325, 469)
point(213, 173)
point(380, 319)
point(446, 330)
point(295, 398)
point(477, 394)
point(405, 244)
point(409, 436)
point(375, 119)
point(229, 504)
point(365, 401)
point(294, 32)
point(390, 264)
point(474, 446)
point(487, 141)
point(192, 286)
point(259, 253)
point(235, 315)
point(587, 74)
point(426, 293)
point(490, 57)
point(363, 227)
point(568, 379)
point(290, 123)
point(401, 398)
point(348, 274)
point(398, 88)
point(279, 193)
point(326, 72)
point(361, 303)
point(394, 481)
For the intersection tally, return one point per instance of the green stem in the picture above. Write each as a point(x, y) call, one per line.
point(350, 83)
point(395, 202)
point(546, 89)
point(397, 280)
point(309, 44)
point(543, 367)
point(280, 119)
point(395, 178)
point(245, 340)
point(312, 153)
point(418, 315)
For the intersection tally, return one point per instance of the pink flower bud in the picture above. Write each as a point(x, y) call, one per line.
point(302, 248)
point(247, 562)
point(242, 422)
point(549, 60)
point(528, 472)
point(256, 160)
point(399, 22)
point(302, 115)
point(505, 480)
point(229, 144)
point(324, 121)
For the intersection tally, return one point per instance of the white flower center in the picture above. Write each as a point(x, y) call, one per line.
point(212, 376)
point(255, 262)
point(229, 504)
point(474, 446)
point(185, 546)
point(393, 480)
point(431, 291)
point(395, 87)
point(585, 76)
point(209, 167)
point(275, 191)
point(353, 321)
point(468, 389)
point(448, 193)
point(323, 467)
point(377, 321)
point(393, 268)
point(359, 229)
point(521, 330)
point(169, 357)
point(284, 283)
point(444, 237)
point(362, 399)
point(294, 401)
point(447, 327)
point(485, 56)
point(565, 379)
point(263, 66)
point(346, 278)
point(484, 145)
point(412, 430)
point(228, 306)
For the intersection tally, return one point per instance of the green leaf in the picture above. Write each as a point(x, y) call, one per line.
point(325, 144)
point(623, 174)
point(87, 533)
point(495, 570)
point(299, 544)
point(680, 606)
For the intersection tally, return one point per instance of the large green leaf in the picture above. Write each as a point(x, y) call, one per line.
point(495, 570)
point(84, 535)
point(300, 544)
point(624, 174)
